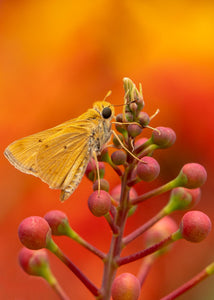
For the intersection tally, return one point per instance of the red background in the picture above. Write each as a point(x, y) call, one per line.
point(56, 58)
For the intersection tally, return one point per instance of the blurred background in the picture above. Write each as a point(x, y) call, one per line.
point(56, 59)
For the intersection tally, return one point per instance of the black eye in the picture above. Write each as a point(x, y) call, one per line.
point(106, 113)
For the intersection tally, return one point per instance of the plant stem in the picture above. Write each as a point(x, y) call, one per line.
point(133, 235)
point(188, 285)
point(76, 237)
point(59, 291)
point(160, 190)
point(110, 265)
point(140, 254)
point(145, 268)
point(58, 252)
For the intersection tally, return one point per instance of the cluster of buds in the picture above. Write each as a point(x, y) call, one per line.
point(160, 232)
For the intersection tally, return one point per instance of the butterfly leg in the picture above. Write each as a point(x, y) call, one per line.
point(98, 171)
point(124, 147)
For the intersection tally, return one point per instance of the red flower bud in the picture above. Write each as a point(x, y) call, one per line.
point(118, 157)
point(161, 230)
point(104, 185)
point(99, 204)
point(34, 232)
point(91, 170)
point(195, 226)
point(58, 222)
point(143, 118)
point(33, 262)
point(134, 130)
point(193, 175)
point(125, 287)
point(149, 169)
point(116, 191)
point(164, 137)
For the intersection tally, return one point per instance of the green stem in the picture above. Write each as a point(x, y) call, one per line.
point(76, 237)
point(160, 190)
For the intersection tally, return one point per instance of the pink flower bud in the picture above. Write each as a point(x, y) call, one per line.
point(58, 222)
point(118, 157)
point(183, 198)
point(104, 185)
point(149, 169)
point(34, 232)
point(116, 191)
point(99, 205)
point(161, 230)
point(134, 130)
point(165, 137)
point(179, 199)
point(140, 142)
point(133, 107)
point(33, 262)
point(91, 170)
point(193, 175)
point(125, 287)
point(195, 226)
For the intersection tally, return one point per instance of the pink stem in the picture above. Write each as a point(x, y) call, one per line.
point(186, 286)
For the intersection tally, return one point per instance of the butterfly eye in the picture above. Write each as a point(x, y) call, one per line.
point(106, 112)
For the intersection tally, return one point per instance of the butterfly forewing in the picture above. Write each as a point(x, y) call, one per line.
point(59, 158)
point(22, 153)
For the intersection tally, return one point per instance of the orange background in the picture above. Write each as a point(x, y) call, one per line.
point(56, 58)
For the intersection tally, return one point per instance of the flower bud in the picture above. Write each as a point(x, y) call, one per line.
point(104, 185)
point(58, 222)
point(182, 198)
point(192, 175)
point(159, 231)
point(126, 287)
point(116, 191)
point(34, 232)
point(140, 142)
point(99, 204)
point(133, 107)
point(118, 157)
point(91, 170)
point(115, 140)
point(134, 130)
point(195, 226)
point(132, 93)
point(149, 169)
point(120, 128)
point(164, 137)
point(143, 118)
point(33, 262)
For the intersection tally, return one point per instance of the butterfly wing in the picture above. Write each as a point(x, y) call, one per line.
point(62, 159)
point(22, 153)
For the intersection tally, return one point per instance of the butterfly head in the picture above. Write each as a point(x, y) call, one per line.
point(105, 109)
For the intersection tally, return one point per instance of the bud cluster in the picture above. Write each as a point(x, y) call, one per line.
point(134, 162)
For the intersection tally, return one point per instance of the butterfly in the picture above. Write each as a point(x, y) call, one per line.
point(60, 155)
